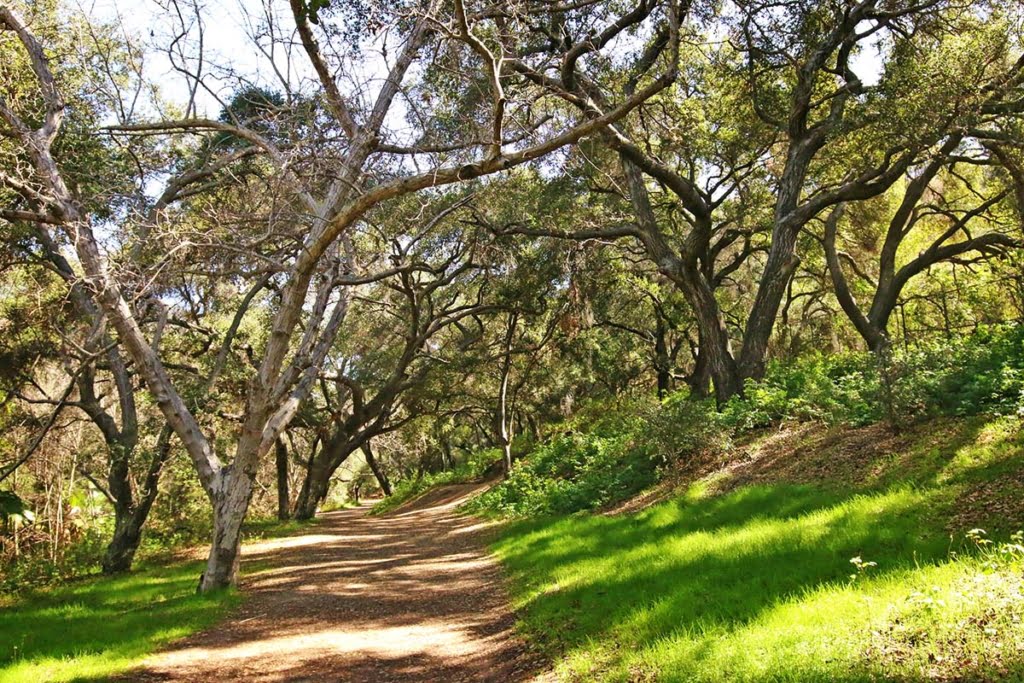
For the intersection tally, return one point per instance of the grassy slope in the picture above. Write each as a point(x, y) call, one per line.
point(98, 627)
point(746, 575)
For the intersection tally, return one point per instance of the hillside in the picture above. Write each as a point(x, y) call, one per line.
point(806, 553)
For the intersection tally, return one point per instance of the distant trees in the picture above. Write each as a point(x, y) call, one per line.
point(949, 218)
point(402, 328)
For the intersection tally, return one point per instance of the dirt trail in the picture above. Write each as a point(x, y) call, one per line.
point(411, 596)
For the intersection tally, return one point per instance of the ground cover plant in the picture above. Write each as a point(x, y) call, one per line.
point(615, 449)
point(94, 627)
point(474, 468)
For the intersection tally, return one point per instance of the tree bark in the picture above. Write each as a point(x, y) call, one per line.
point(318, 476)
point(375, 467)
point(779, 268)
point(120, 552)
point(503, 416)
point(700, 378)
point(230, 503)
point(129, 519)
point(662, 364)
point(313, 491)
point(686, 275)
point(716, 347)
point(281, 461)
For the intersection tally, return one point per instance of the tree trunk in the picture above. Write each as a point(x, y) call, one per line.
point(130, 517)
point(281, 460)
point(127, 534)
point(884, 300)
point(504, 416)
point(230, 503)
point(375, 467)
point(128, 524)
point(686, 274)
point(318, 475)
point(715, 347)
point(700, 378)
point(662, 364)
point(313, 490)
point(779, 268)
point(534, 426)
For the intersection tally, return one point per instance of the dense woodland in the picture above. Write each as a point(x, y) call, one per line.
point(578, 245)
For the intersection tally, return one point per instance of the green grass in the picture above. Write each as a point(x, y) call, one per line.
point(754, 584)
point(97, 627)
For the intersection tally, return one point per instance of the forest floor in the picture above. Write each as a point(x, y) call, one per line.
point(410, 596)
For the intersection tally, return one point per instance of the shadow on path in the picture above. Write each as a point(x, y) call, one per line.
point(411, 596)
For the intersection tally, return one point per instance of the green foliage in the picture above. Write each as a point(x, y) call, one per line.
point(37, 569)
point(571, 473)
point(981, 373)
point(608, 453)
point(13, 508)
point(681, 429)
point(472, 468)
point(842, 388)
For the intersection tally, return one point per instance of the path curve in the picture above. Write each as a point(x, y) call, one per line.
point(410, 596)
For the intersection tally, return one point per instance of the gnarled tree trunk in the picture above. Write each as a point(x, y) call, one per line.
point(321, 468)
point(121, 550)
point(230, 503)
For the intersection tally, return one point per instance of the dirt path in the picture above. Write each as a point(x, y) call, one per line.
point(412, 596)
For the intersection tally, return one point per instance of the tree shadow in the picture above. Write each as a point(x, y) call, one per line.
point(412, 595)
point(102, 622)
point(716, 565)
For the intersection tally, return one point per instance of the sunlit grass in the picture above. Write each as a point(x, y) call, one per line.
point(95, 628)
point(98, 627)
point(756, 584)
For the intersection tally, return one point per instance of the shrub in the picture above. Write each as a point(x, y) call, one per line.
point(577, 471)
point(605, 459)
point(978, 373)
point(612, 449)
point(473, 467)
point(682, 429)
point(842, 388)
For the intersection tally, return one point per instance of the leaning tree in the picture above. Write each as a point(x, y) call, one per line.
point(452, 105)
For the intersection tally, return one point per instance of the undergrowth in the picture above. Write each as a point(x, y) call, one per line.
point(838, 554)
point(611, 450)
